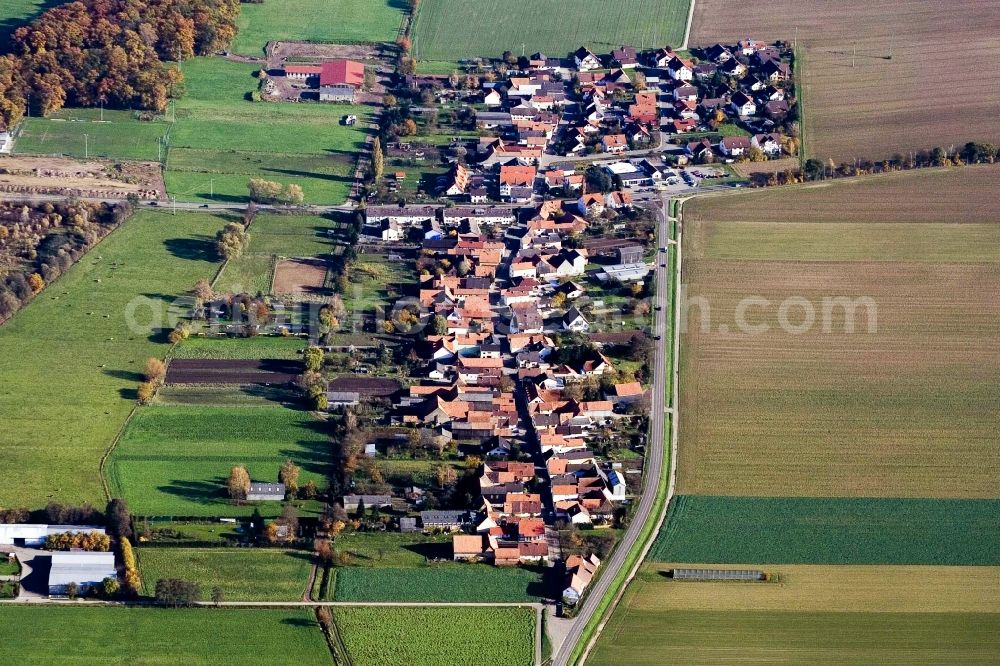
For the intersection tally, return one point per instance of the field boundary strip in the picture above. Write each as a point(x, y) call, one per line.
point(102, 467)
point(800, 83)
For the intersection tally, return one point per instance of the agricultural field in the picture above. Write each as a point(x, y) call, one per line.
point(392, 549)
point(430, 636)
point(217, 144)
point(273, 236)
point(830, 531)
point(244, 574)
point(88, 635)
point(81, 132)
point(905, 406)
point(809, 588)
point(374, 282)
point(214, 139)
point(260, 346)
point(293, 235)
point(81, 322)
point(339, 21)
point(446, 30)
point(174, 460)
point(439, 582)
point(859, 101)
point(755, 637)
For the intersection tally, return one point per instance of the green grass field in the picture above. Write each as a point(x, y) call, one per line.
point(745, 637)
point(244, 574)
point(450, 30)
point(830, 531)
point(118, 636)
point(440, 582)
point(338, 21)
point(273, 236)
point(370, 276)
point(249, 274)
point(432, 636)
point(241, 348)
point(173, 461)
point(221, 140)
point(82, 342)
point(119, 136)
point(292, 235)
point(217, 139)
point(392, 549)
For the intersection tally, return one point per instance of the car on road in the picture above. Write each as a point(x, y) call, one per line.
point(203, 206)
point(656, 337)
point(658, 308)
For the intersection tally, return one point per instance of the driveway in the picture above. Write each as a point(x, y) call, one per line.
point(35, 565)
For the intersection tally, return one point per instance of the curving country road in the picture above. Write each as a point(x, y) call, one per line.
point(654, 453)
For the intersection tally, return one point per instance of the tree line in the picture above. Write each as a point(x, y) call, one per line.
point(970, 153)
point(109, 52)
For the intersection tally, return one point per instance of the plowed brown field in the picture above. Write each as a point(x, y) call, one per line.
point(941, 86)
point(906, 410)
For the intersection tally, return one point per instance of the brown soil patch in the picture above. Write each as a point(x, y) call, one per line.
point(958, 194)
point(905, 410)
point(770, 166)
point(300, 277)
point(858, 102)
point(90, 178)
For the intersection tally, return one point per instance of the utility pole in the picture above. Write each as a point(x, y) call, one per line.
point(173, 200)
point(102, 108)
point(854, 57)
point(211, 188)
point(86, 146)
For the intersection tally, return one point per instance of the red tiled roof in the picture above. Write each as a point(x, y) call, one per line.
point(342, 72)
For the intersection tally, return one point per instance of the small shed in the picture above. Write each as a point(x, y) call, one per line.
point(266, 492)
point(408, 525)
point(630, 254)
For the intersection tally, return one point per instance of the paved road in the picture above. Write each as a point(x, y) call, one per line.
point(654, 453)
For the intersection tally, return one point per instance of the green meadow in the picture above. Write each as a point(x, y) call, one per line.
point(338, 21)
point(46, 635)
point(69, 396)
point(243, 574)
point(174, 460)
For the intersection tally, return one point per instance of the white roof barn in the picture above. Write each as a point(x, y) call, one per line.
point(266, 492)
point(83, 568)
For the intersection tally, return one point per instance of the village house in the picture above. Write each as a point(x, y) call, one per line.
point(614, 143)
point(734, 146)
point(586, 60)
point(769, 144)
point(742, 104)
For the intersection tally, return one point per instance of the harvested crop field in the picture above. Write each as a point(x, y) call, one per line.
point(300, 277)
point(810, 588)
point(807, 530)
point(223, 371)
point(773, 637)
point(903, 406)
point(90, 178)
point(867, 105)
